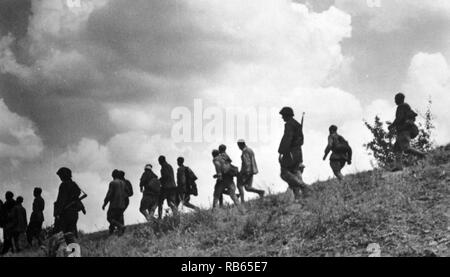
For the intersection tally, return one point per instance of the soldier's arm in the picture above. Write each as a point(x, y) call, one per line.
point(218, 168)
point(181, 177)
point(286, 140)
point(142, 182)
point(246, 163)
point(328, 148)
point(350, 154)
point(108, 196)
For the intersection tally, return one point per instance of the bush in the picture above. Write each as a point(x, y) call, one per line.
point(381, 147)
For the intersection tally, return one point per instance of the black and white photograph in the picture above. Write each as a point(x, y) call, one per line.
point(244, 130)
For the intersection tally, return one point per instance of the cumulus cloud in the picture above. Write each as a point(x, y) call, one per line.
point(388, 16)
point(18, 136)
point(429, 78)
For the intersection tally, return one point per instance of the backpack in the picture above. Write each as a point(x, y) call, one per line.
point(153, 186)
point(230, 170)
point(190, 181)
point(411, 125)
point(341, 145)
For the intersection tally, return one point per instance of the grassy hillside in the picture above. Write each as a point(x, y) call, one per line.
point(406, 213)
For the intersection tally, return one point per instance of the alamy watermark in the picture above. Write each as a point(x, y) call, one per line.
point(373, 3)
point(212, 123)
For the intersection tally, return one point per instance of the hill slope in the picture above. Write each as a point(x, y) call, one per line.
point(406, 213)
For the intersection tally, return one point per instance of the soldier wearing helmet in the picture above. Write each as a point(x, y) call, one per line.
point(291, 157)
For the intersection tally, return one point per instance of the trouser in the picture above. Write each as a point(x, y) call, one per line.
point(245, 181)
point(169, 194)
point(115, 219)
point(337, 166)
point(293, 176)
point(34, 230)
point(7, 241)
point(226, 183)
point(403, 145)
point(67, 223)
point(149, 203)
point(8, 238)
point(185, 198)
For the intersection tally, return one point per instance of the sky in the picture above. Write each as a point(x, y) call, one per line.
point(99, 85)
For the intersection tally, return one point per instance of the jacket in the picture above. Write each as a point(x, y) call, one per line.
point(68, 193)
point(167, 177)
point(403, 114)
point(292, 139)
point(18, 219)
point(37, 214)
point(333, 140)
point(117, 195)
point(248, 166)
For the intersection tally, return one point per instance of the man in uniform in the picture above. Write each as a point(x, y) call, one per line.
point(168, 187)
point(248, 170)
point(402, 125)
point(150, 187)
point(117, 197)
point(67, 204)
point(19, 222)
point(224, 181)
point(129, 187)
point(290, 151)
point(8, 231)
point(341, 152)
point(37, 218)
point(186, 182)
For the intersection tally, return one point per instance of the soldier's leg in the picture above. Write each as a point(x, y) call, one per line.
point(143, 208)
point(70, 223)
point(30, 233)
point(218, 194)
point(401, 144)
point(241, 195)
point(295, 181)
point(232, 190)
point(336, 166)
point(16, 236)
point(248, 184)
point(109, 218)
point(121, 220)
point(240, 187)
point(7, 242)
point(153, 207)
point(39, 232)
point(415, 152)
point(161, 199)
point(171, 200)
point(221, 200)
point(188, 204)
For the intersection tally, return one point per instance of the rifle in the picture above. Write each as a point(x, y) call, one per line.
point(302, 166)
point(82, 208)
point(303, 118)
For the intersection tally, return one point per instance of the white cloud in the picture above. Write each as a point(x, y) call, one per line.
point(429, 76)
point(393, 15)
point(18, 138)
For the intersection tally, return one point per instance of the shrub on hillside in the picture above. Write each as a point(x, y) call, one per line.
point(381, 147)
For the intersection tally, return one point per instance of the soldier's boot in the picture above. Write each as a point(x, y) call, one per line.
point(296, 191)
point(190, 206)
point(398, 162)
point(416, 152)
